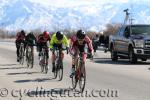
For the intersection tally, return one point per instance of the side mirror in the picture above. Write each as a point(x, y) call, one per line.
point(127, 35)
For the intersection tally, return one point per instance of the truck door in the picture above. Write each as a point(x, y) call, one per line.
point(119, 42)
point(126, 40)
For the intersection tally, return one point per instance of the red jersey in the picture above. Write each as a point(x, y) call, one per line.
point(20, 36)
point(41, 39)
point(75, 44)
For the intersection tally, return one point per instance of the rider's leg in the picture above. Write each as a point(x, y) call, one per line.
point(32, 49)
point(47, 55)
point(25, 44)
point(40, 49)
point(84, 57)
point(17, 51)
point(26, 52)
point(53, 61)
point(74, 61)
point(62, 56)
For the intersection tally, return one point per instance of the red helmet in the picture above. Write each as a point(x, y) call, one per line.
point(46, 34)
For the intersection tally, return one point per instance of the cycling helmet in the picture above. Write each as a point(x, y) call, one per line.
point(23, 32)
point(46, 34)
point(80, 34)
point(59, 35)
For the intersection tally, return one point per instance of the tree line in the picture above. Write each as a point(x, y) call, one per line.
point(111, 29)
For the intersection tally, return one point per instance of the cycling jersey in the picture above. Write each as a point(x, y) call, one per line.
point(30, 39)
point(41, 39)
point(54, 41)
point(75, 44)
point(20, 37)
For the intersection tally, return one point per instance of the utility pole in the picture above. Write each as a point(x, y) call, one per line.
point(131, 20)
point(127, 15)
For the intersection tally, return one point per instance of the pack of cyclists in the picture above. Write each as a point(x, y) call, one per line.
point(75, 45)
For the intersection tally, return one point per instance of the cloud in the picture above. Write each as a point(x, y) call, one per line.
point(75, 3)
point(52, 14)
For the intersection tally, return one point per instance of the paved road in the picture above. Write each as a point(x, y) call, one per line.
point(106, 80)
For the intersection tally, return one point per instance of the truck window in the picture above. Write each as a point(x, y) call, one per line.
point(142, 29)
point(126, 32)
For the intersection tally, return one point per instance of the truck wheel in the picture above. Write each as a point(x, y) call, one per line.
point(114, 56)
point(132, 57)
point(144, 59)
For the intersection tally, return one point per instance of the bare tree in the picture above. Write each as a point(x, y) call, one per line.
point(111, 29)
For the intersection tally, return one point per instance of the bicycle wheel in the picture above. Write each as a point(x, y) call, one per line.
point(20, 53)
point(45, 63)
point(42, 67)
point(56, 70)
point(21, 56)
point(74, 80)
point(30, 60)
point(75, 77)
point(82, 78)
point(60, 71)
point(27, 59)
point(41, 63)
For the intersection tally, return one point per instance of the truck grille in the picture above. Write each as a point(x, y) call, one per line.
point(146, 52)
point(147, 43)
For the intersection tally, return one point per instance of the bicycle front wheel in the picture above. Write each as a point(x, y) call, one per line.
point(82, 79)
point(45, 63)
point(60, 72)
point(74, 79)
point(31, 58)
point(21, 56)
point(55, 72)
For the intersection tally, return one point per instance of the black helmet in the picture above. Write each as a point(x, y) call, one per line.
point(80, 34)
point(59, 35)
point(23, 32)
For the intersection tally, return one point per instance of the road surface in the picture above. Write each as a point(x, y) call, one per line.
point(106, 80)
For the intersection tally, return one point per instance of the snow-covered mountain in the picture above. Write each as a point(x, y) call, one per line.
point(69, 14)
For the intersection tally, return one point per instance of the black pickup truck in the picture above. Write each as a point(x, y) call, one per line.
point(131, 42)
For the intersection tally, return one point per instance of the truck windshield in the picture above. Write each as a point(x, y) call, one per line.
point(143, 30)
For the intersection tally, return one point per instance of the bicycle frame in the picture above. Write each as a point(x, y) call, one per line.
point(21, 53)
point(43, 61)
point(79, 73)
point(58, 57)
point(29, 55)
point(79, 65)
point(58, 63)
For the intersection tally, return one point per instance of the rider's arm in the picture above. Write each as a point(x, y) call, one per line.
point(34, 38)
point(72, 45)
point(89, 43)
point(17, 36)
point(49, 39)
point(66, 41)
point(52, 41)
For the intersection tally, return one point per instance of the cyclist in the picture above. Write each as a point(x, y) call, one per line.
point(77, 45)
point(42, 42)
point(30, 41)
point(57, 41)
point(95, 42)
point(20, 38)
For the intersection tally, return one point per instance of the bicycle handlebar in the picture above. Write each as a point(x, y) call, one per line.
point(55, 48)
